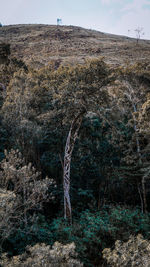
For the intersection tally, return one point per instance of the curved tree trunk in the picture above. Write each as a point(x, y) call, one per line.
point(72, 136)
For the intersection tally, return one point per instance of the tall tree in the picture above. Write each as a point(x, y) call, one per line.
point(78, 90)
point(130, 93)
point(72, 136)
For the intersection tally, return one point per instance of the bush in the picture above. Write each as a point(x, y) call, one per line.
point(21, 222)
point(41, 255)
point(134, 252)
point(36, 231)
point(91, 232)
point(94, 231)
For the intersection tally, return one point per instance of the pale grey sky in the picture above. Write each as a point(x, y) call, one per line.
point(112, 16)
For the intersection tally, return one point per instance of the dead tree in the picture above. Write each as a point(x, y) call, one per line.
point(72, 136)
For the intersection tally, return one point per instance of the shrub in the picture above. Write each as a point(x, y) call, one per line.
point(36, 231)
point(20, 206)
point(95, 230)
point(134, 252)
point(41, 255)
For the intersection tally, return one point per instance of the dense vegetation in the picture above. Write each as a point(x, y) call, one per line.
point(110, 155)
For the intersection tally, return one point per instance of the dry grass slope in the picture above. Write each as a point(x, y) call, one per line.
point(39, 44)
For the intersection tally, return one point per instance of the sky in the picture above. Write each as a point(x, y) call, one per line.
point(121, 17)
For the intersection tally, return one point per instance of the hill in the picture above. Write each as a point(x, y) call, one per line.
point(39, 44)
point(74, 147)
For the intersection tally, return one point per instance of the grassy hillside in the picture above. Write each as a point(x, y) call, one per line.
point(39, 44)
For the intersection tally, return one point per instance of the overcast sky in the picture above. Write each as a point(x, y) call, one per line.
point(112, 16)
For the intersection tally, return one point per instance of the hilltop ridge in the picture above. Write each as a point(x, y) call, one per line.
point(38, 44)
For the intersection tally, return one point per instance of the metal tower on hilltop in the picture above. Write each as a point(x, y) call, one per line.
point(59, 22)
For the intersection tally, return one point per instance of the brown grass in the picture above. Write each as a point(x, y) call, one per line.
point(39, 44)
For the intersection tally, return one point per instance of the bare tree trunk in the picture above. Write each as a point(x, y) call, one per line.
point(144, 205)
point(72, 136)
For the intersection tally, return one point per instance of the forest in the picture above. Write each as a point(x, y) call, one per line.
point(74, 163)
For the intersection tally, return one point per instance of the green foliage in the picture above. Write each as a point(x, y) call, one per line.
point(92, 231)
point(36, 114)
point(37, 231)
point(96, 230)
point(91, 168)
point(127, 222)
